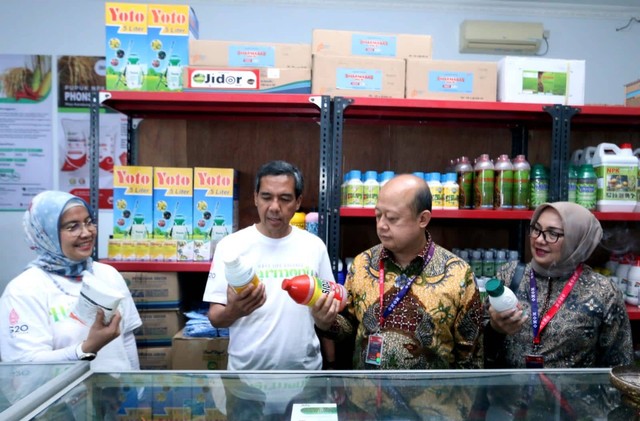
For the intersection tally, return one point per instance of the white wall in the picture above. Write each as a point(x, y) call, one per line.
point(77, 27)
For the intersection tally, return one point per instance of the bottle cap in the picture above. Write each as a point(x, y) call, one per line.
point(494, 287)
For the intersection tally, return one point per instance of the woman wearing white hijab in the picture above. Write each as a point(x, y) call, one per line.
point(568, 316)
point(35, 321)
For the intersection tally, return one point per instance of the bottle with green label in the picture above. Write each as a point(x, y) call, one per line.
point(483, 182)
point(521, 174)
point(573, 181)
point(586, 187)
point(464, 169)
point(538, 186)
point(503, 184)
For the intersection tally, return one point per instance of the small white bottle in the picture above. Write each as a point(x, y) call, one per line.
point(239, 274)
point(437, 190)
point(451, 192)
point(633, 287)
point(354, 189)
point(622, 273)
point(500, 297)
point(370, 189)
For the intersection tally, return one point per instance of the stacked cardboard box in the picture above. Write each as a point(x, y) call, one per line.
point(189, 353)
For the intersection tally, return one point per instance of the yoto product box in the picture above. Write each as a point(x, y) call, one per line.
point(249, 54)
point(371, 44)
point(451, 80)
point(126, 46)
point(189, 353)
point(132, 203)
point(215, 208)
point(170, 27)
point(541, 80)
point(153, 290)
point(358, 76)
point(263, 79)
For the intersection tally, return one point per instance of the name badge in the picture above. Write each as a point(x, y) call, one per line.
point(534, 361)
point(374, 350)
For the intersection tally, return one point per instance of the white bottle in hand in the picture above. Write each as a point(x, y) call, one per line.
point(500, 297)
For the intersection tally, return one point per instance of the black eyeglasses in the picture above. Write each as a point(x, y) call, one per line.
point(549, 236)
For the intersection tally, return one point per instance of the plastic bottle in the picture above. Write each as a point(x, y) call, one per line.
point(370, 189)
point(513, 256)
point(354, 190)
point(311, 222)
point(521, 174)
point(239, 274)
point(476, 262)
point(299, 220)
point(616, 169)
point(501, 259)
point(386, 176)
point(587, 155)
point(577, 157)
point(586, 187)
point(500, 297)
point(483, 179)
point(306, 289)
point(464, 170)
point(488, 264)
point(342, 273)
point(573, 183)
point(437, 190)
point(451, 192)
point(503, 183)
point(538, 186)
point(633, 287)
point(622, 274)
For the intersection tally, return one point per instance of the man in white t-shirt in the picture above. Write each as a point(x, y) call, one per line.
point(268, 330)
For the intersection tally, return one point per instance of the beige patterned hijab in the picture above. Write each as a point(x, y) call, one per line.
point(582, 234)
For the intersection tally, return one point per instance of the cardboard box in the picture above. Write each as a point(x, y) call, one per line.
point(249, 54)
point(132, 202)
point(358, 76)
point(153, 290)
point(371, 44)
point(169, 29)
point(541, 80)
point(215, 208)
point(264, 79)
point(198, 353)
point(155, 358)
point(451, 80)
point(158, 327)
point(632, 94)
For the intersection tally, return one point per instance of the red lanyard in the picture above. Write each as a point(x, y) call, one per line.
point(537, 330)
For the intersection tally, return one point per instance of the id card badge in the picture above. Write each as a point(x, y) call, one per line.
point(374, 350)
point(534, 361)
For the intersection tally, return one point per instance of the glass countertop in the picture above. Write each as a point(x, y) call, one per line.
point(545, 394)
point(25, 386)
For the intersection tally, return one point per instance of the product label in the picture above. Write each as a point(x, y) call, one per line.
point(503, 189)
point(483, 189)
point(437, 196)
point(616, 182)
point(373, 45)
point(544, 83)
point(586, 193)
point(465, 181)
point(539, 192)
point(450, 82)
point(521, 189)
point(224, 79)
point(370, 195)
point(359, 79)
point(354, 195)
point(451, 194)
point(251, 56)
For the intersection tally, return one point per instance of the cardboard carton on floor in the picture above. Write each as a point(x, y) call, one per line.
point(198, 353)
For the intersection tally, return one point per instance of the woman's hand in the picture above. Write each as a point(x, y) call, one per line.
point(101, 334)
point(507, 322)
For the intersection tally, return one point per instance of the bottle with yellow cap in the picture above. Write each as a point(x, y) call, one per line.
point(299, 220)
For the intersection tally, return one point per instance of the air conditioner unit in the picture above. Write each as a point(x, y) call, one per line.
point(495, 37)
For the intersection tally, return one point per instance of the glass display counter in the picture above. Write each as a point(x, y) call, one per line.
point(340, 395)
point(24, 387)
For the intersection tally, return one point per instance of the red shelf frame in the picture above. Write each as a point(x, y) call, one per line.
point(137, 266)
point(633, 312)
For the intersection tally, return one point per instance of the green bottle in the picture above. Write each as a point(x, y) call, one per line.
point(586, 187)
point(573, 181)
point(539, 186)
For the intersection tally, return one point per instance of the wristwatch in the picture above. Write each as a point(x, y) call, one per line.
point(84, 356)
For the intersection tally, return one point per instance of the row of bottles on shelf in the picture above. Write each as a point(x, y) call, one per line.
point(624, 271)
point(603, 178)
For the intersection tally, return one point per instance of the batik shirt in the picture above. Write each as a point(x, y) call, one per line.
point(591, 329)
point(435, 326)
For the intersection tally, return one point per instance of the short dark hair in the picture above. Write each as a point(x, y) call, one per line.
point(282, 168)
point(422, 200)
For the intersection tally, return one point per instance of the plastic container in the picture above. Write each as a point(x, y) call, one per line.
point(370, 189)
point(354, 190)
point(94, 294)
point(488, 264)
point(464, 171)
point(238, 272)
point(586, 187)
point(299, 220)
point(521, 174)
point(588, 154)
point(437, 190)
point(538, 186)
point(451, 192)
point(386, 176)
point(500, 297)
point(577, 157)
point(483, 181)
point(311, 222)
point(622, 274)
point(616, 169)
point(633, 287)
point(503, 183)
point(501, 259)
point(476, 262)
point(573, 183)
point(306, 289)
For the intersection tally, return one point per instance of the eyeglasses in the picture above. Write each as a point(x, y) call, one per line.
point(75, 228)
point(549, 236)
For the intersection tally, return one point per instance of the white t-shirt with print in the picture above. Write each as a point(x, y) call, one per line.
point(35, 322)
point(279, 335)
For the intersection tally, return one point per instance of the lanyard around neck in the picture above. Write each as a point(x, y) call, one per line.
point(401, 294)
point(537, 324)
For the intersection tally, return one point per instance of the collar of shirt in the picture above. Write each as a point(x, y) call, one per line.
point(413, 268)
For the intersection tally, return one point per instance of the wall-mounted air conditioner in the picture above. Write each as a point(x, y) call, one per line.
point(495, 37)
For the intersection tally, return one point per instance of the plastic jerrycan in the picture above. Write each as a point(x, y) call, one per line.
point(616, 170)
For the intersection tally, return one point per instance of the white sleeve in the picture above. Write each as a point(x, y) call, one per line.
point(132, 350)
point(25, 332)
